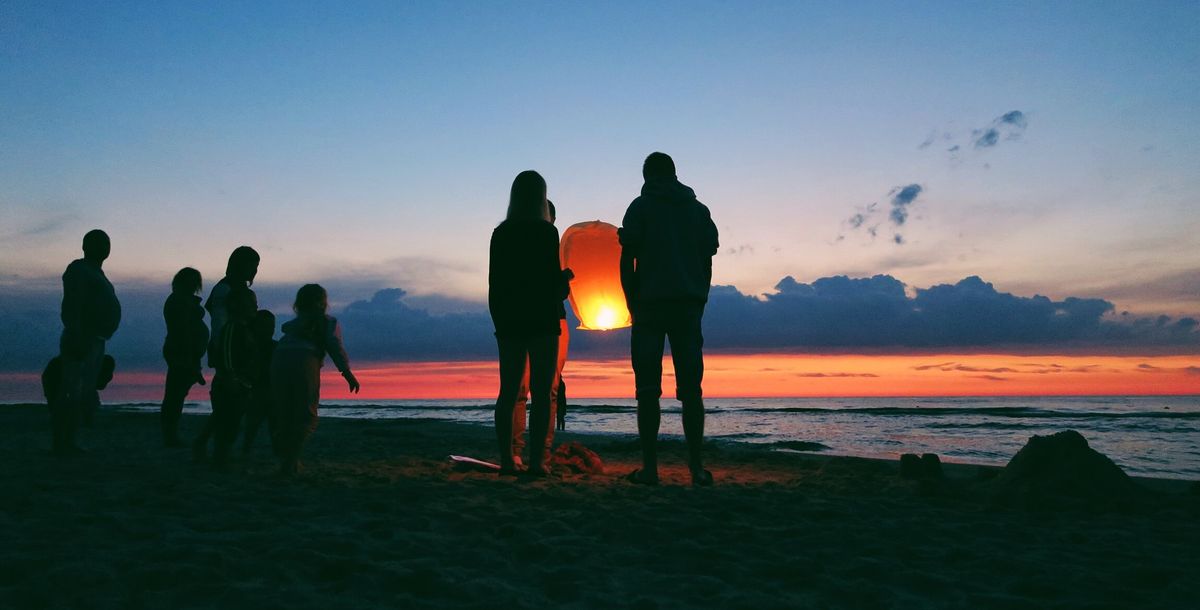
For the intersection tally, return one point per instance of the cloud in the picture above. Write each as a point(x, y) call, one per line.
point(990, 377)
point(902, 197)
point(1008, 126)
point(834, 313)
point(899, 200)
point(876, 312)
point(834, 375)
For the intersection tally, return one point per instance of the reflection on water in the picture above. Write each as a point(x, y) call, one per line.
point(1147, 435)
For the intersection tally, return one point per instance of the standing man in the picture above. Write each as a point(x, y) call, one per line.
point(90, 316)
point(668, 240)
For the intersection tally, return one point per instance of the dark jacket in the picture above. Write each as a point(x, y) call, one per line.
point(672, 237)
point(234, 354)
point(526, 285)
point(187, 336)
point(215, 305)
point(90, 308)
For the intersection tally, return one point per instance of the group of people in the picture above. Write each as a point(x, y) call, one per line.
point(667, 241)
point(255, 378)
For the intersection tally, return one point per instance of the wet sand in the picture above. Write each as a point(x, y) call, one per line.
point(380, 519)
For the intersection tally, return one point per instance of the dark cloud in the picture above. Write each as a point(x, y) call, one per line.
point(1008, 126)
point(830, 313)
point(1015, 118)
point(843, 312)
point(899, 198)
point(834, 375)
point(987, 138)
point(902, 197)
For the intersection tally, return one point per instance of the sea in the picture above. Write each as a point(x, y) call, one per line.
point(1146, 435)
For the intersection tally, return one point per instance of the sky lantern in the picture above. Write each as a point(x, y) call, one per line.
point(592, 251)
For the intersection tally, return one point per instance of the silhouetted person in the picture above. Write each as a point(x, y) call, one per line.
point(240, 271)
point(235, 356)
point(183, 349)
point(90, 316)
point(260, 403)
point(518, 436)
point(560, 406)
point(296, 372)
point(668, 240)
point(526, 286)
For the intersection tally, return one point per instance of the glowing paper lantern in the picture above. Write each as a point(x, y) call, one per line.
point(592, 251)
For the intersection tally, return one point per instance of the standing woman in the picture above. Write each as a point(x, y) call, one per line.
point(296, 372)
point(526, 286)
point(186, 342)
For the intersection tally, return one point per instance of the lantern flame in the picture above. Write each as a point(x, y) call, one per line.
point(593, 252)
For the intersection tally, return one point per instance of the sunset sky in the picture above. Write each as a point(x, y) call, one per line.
point(1049, 149)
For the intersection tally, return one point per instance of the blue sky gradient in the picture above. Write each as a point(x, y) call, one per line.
point(374, 143)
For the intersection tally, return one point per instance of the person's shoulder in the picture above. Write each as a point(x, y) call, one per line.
point(76, 266)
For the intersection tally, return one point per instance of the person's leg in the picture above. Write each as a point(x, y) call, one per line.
point(512, 356)
point(256, 412)
point(519, 411)
point(687, 342)
point(79, 376)
point(646, 348)
point(307, 418)
point(66, 394)
point(179, 382)
point(223, 405)
point(564, 342)
point(543, 356)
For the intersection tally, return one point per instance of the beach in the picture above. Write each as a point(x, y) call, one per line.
point(380, 518)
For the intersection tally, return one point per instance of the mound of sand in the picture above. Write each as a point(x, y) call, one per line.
point(1061, 468)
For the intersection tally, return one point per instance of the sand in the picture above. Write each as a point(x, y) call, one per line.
point(380, 519)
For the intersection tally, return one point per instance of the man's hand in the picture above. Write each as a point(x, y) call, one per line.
point(352, 381)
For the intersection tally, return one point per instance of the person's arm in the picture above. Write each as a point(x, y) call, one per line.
point(75, 287)
point(711, 242)
point(630, 236)
point(560, 278)
point(337, 353)
point(494, 265)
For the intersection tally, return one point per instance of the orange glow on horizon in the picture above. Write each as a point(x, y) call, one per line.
point(738, 376)
point(774, 375)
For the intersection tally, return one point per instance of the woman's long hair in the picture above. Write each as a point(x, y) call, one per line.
point(527, 200)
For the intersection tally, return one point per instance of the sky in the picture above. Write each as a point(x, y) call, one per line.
point(1002, 152)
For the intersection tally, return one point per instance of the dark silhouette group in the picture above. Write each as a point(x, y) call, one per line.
point(667, 242)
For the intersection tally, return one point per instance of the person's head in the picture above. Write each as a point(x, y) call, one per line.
point(96, 246)
point(187, 281)
point(311, 299)
point(658, 166)
point(550, 211)
point(264, 324)
point(242, 265)
point(241, 304)
point(527, 200)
